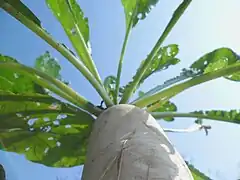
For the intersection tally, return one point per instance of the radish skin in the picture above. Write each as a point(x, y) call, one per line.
point(127, 143)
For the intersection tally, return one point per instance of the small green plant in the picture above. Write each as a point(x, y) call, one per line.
point(54, 132)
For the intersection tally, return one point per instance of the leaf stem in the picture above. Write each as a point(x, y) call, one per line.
point(176, 16)
point(38, 98)
point(121, 60)
point(84, 53)
point(60, 48)
point(174, 90)
point(166, 84)
point(160, 115)
point(59, 88)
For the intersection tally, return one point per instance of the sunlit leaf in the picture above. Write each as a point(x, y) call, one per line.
point(158, 107)
point(215, 60)
point(48, 148)
point(197, 175)
point(185, 74)
point(48, 65)
point(165, 107)
point(140, 93)
point(72, 19)
point(132, 86)
point(16, 82)
point(23, 9)
point(39, 126)
point(222, 62)
point(143, 8)
point(232, 116)
point(212, 61)
point(165, 57)
point(151, 63)
point(70, 15)
point(85, 50)
point(110, 85)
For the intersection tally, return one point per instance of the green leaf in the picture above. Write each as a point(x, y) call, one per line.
point(120, 63)
point(109, 85)
point(23, 9)
point(165, 107)
point(70, 15)
point(232, 116)
point(222, 62)
point(143, 9)
point(165, 57)
point(72, 19)
point(48, 65)
point(23, 107)
point(53, 85)
point(215, 60)
point(131, 88)
point(185, 74)
point(44, 129)
point(140, 93)
point(14, 81)
point(197, 175)
point(93, 77)
point(158, 107)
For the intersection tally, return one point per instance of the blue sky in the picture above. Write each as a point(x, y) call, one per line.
point(205, 26)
